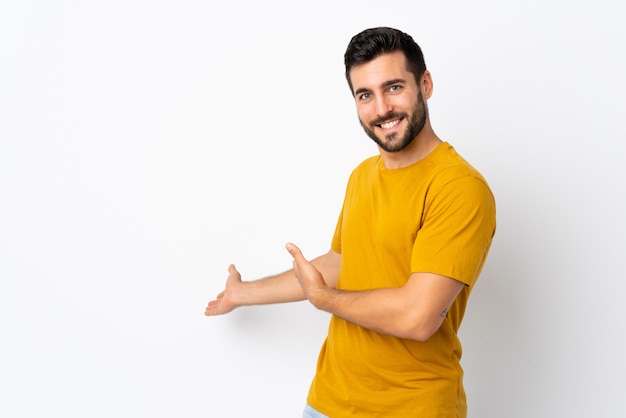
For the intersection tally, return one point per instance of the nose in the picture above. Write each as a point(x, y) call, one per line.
point(383, 106)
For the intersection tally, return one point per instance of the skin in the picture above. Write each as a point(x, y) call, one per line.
point(384, 86)
point(281, 288)
point(390, 103)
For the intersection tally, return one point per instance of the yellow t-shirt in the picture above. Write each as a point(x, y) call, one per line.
point(438, 216)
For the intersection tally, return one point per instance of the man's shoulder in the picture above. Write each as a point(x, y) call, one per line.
point(448, 165)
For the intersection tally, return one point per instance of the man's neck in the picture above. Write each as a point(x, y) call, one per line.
point(419, 149)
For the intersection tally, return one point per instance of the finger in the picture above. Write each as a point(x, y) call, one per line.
point(210, 309)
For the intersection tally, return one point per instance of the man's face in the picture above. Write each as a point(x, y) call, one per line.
point(390, 104)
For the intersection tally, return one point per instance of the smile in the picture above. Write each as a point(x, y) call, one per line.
point(390, 124)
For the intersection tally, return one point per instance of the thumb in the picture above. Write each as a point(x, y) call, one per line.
point(233, 272)
point(295, 252)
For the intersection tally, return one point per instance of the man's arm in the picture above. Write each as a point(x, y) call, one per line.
point(413, 311)
point(281, 288)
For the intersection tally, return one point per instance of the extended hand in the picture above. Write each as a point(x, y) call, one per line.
point(223, 303)
point(310, 278)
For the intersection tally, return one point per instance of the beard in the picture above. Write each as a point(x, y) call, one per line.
point(392, 142)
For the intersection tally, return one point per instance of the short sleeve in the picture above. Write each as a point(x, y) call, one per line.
point(457, 229)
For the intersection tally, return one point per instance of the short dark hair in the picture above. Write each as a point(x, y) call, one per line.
point(374, 42)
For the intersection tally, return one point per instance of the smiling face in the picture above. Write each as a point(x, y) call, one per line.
point(390, 103)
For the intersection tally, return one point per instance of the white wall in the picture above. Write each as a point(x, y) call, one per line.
point(146, 145)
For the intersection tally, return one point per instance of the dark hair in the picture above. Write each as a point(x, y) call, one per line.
point(373, 42)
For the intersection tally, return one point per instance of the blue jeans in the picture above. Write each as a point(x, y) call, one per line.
point(309, 412)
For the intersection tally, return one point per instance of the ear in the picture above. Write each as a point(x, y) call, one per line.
point(426, 85)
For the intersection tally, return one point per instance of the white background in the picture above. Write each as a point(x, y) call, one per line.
point(145, 145)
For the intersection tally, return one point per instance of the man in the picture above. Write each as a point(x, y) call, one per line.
point(413, 234)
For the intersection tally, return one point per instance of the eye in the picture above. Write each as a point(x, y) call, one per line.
point(365, 96)
point(395, 88)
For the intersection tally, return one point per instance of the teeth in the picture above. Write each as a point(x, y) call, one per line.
point(389, 125)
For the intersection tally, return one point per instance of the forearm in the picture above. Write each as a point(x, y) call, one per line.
point(415, 310)
point(386, 311)
point(284, 287)
point(280, 288)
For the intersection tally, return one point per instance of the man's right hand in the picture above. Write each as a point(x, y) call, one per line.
point(224, 303)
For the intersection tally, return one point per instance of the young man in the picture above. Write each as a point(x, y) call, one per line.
point(413, 234)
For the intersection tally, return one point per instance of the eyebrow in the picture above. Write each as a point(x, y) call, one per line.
point(385, 84)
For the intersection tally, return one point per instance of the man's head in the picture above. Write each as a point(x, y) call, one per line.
point(374, 42)
point(389, 81)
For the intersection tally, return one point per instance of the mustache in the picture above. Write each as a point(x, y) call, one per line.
point(389, 116)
